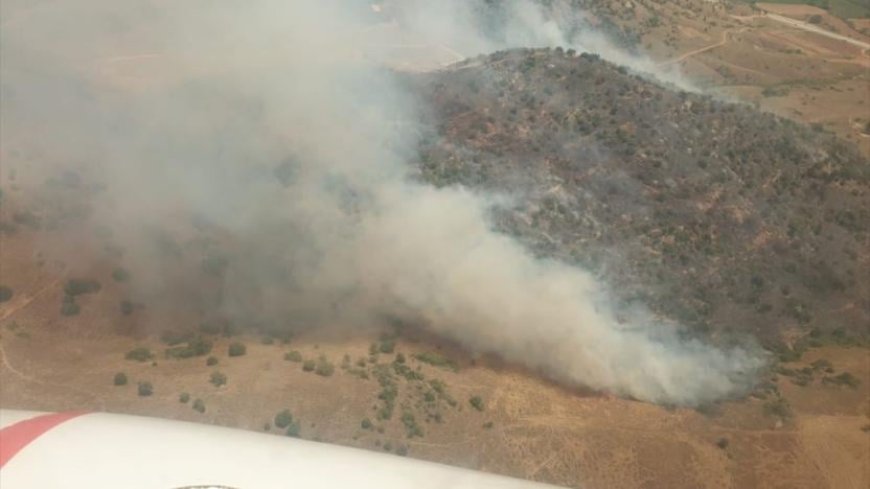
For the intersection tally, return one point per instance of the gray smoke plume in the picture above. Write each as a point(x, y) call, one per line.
point(274, 126)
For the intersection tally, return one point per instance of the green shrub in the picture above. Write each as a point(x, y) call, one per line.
point(293, 430)
point(79, 286)
point(120, 379)
point(145, 389)
point(172, 337)
point(140, 354)
point(309, 365)
point(184, 398)
point(437, 360)
point(283, 419)
point(236, 349)
point(476, 402)
point(822, 364)
point(6, 293)
point(324, 367)
point(196, 347)
point(120, 275)
point(778, 407)
point(199, 406)
point(69, 306)
point(844, 378)
point(218, 379)
point(386, 345)
point(293, 356)
point(366, 424)
point(211, 361)
point(412, 429)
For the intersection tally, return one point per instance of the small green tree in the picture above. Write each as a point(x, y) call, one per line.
point(140, 354)
point(324, 367)
point(283, 419)
point(69, 307)
point(120, 275)
point(199, 406)
point(476, 402)
point(293, 356)
point(293, 430)
point(6, 293)
point(218, 379)
point(78, 286)
point(120, 379)
point(237, 349)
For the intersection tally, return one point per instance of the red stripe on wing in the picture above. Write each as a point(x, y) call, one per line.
point(15, 437)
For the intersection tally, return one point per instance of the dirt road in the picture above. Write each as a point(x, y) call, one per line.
point(818, 30)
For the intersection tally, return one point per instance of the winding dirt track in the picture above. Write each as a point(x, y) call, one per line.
point(722, 42)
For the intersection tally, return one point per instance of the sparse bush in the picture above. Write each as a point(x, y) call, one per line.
point(437, 360)
point(184, 398)
point(324, 367)
point(309, 365)
point(140, 354)
point(6, 293)
point(722, 443)
point(815, 19)
point(236, 349)
point(402, 450)
point(778, 407)
point(120, 379)
point(400, 358)
point(79, 286)
point(366, 424)
point(386, 345)
point(283, 419)
point(412, 429)
point(476, 402)
point(199, 406)
point(172, 337)
point(218, 379)
point(293, 356)
point(487, 425)
point(844, 378)
point(120, 275)
point(196, 347)
point(823, 364)
point(211, 361)
point(293, 430)
point(127, 308)
point(69, 306)
point(145, 389)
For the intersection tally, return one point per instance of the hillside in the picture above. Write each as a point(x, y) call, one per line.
point(712, 213)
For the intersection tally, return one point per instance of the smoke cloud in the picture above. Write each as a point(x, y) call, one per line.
point(274, 128)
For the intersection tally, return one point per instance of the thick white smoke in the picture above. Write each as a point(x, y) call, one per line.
point(192, 108)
